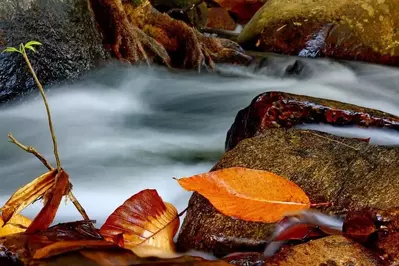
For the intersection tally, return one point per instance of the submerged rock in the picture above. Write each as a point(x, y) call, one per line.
point(349, 173)
point(345, 29)
point(71, 43)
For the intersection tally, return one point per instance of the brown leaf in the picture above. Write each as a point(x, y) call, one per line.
point(17, 224)
point(144, 224)
point(58, 248)
point(46, 215)
point(27, 195)
point(248, 194)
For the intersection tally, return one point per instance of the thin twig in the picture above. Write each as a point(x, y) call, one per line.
point(33, 151)
point(50, 123)
point(78, 206)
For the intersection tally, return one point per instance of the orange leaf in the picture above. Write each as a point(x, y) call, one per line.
point(17, 224)
point(46, 215)
point(144, 220)
point(248, 194)
point(27, 195)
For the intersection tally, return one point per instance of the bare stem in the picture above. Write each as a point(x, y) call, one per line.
point(50, 123)
point(33, 151)
point(78, 206)
point(30, 150)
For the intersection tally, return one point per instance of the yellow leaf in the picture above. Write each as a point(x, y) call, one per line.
point(248, 194)
point(144, 224)
point(27, 195)
point(17, 224)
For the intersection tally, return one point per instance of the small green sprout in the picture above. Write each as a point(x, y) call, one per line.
point(22, 47)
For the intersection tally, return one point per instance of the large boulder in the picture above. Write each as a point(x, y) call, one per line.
point(345, 29)
point(349, 173)
point(71, 43)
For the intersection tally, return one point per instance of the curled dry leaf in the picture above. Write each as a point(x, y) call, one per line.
point(58, 248)
point(46, 215)
point(144, 224)
point(17, 224)
point(247, 194)
point(27, 195)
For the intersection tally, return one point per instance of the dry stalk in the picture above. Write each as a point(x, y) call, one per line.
point(33, 151)
point(50, 123)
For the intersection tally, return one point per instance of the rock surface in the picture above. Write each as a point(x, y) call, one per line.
point(279, 109)
point(242, 10)
point(71, 43)
point(328, 251)
point(349, 173)
point(345, 29)
point(332, 250)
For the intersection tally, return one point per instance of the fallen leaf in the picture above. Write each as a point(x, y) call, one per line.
point(247, 194)
point(46, 215)
point(25, 246)
point(144, 224)
point(58, 248)
point(27, 195)
point(17, 224)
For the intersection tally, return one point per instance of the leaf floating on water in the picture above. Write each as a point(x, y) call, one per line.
point(247, 194)
point(27, 195)
point(144, 224)
point(46, 215)
point(17, 224)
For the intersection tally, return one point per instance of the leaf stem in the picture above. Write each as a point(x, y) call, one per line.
point(50, 123)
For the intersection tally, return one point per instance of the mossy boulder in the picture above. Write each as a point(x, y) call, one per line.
point(344, 29)
point(349, 173)
point(71, 43)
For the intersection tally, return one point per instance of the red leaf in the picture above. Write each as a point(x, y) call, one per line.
point(144, 224)
point(46, 215)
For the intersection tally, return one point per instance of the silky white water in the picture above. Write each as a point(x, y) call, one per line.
point(123, 129)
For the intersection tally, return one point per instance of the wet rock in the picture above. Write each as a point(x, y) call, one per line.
point(344, 29)
point(279, 66)
point(328, 251)
point(71, 43)
point(219, 18)
point(349, 173)
point(242, 10)
point(278, 109)
point(376, 229)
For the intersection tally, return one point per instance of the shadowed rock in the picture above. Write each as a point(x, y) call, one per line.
point(71, 43)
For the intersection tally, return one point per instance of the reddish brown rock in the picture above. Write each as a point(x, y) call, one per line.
point(279, 109)
point(219, 18)
point(376, 229)
point(343, 29)
point(242, 10)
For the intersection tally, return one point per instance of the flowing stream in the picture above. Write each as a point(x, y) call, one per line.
point(123, 129)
